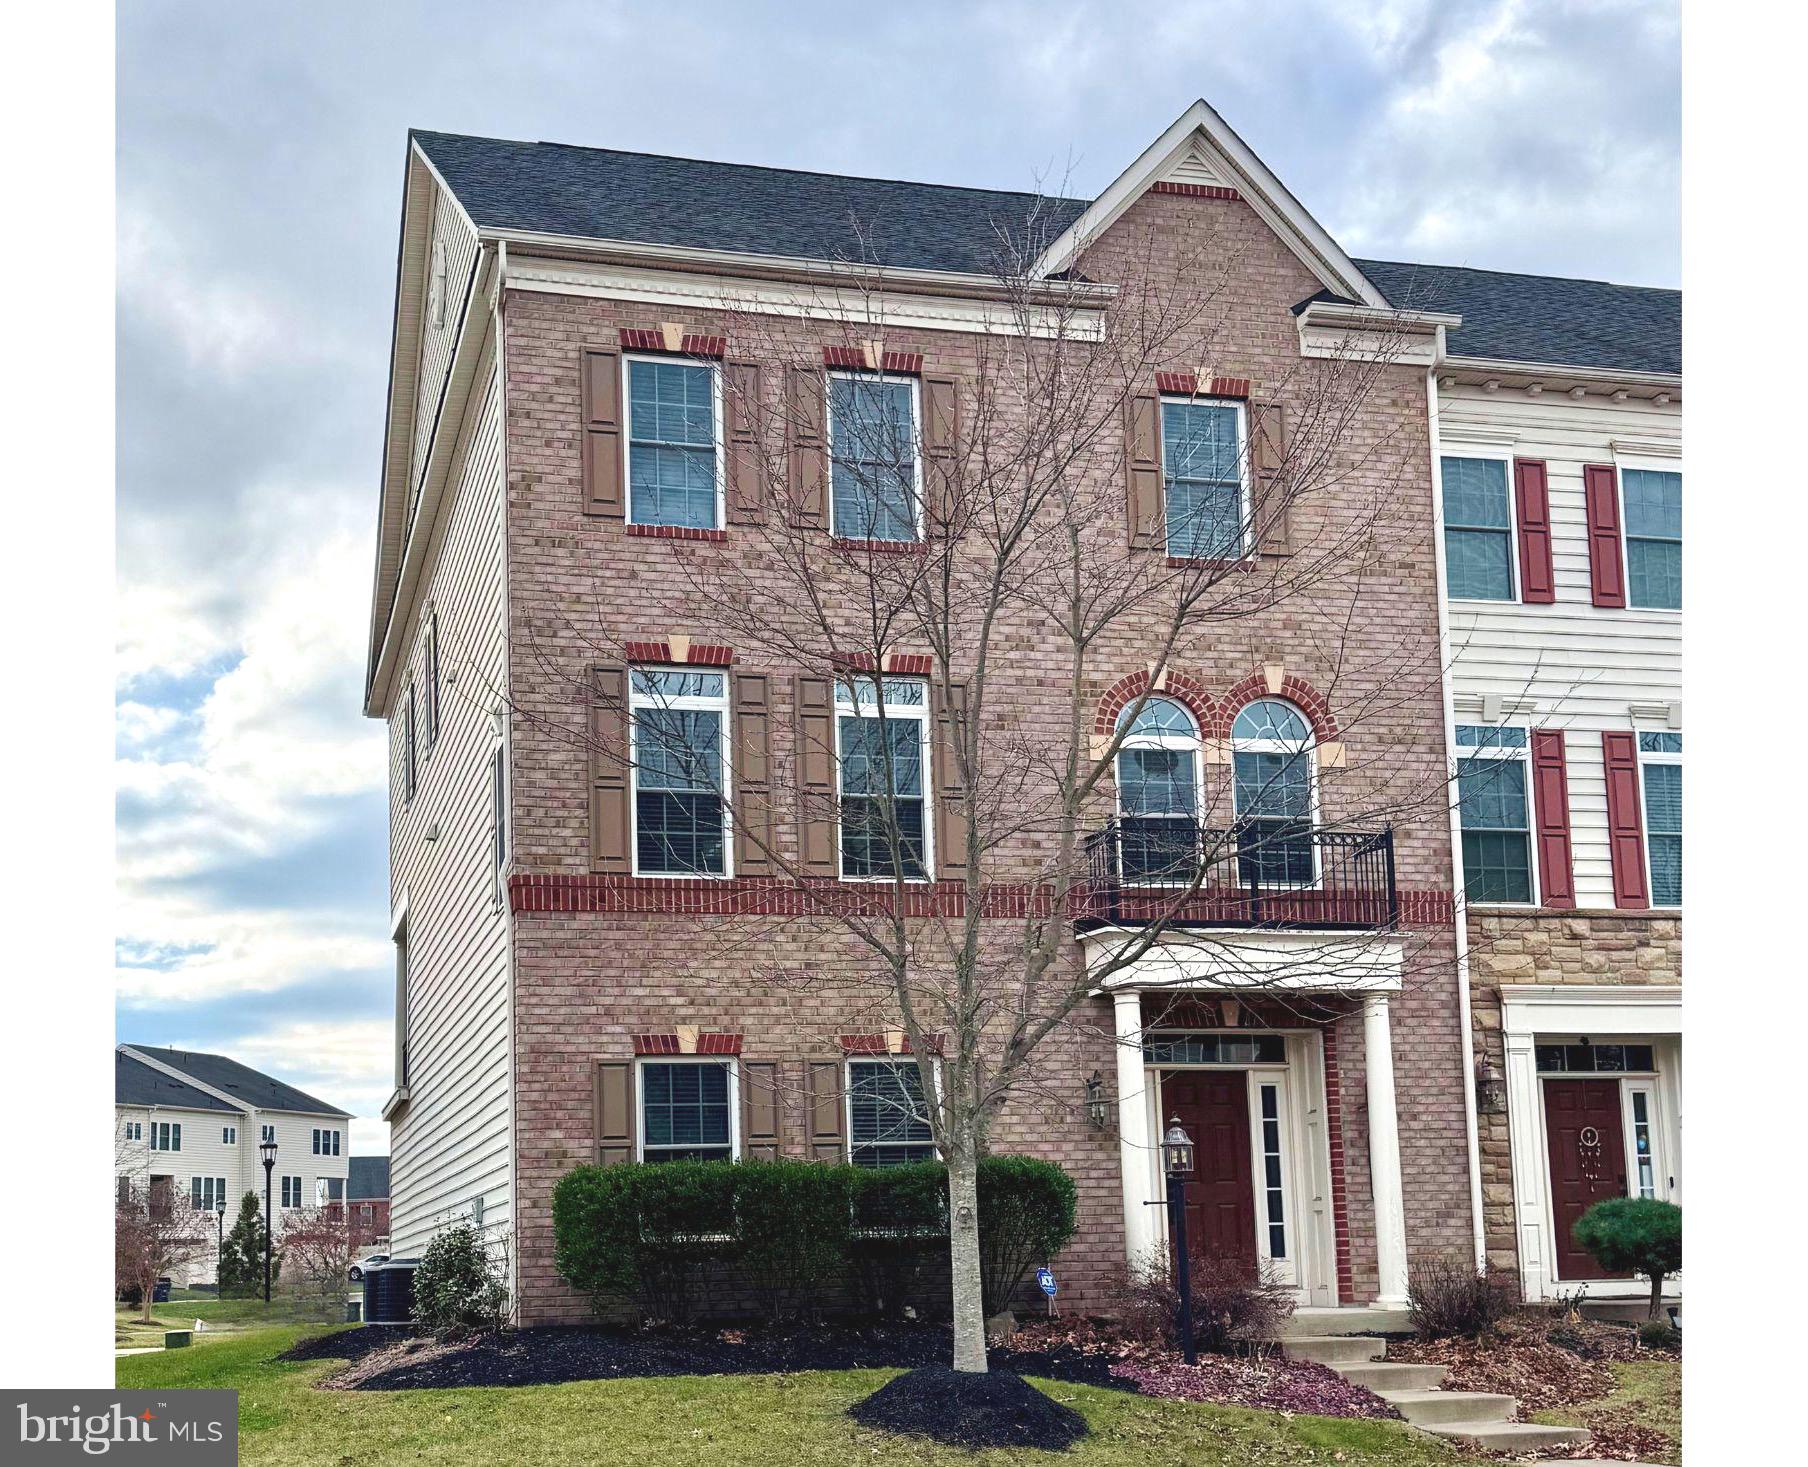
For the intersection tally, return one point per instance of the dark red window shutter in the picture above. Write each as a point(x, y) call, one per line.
point(1537, 583)
point(1606, 564)
point(1625, 823)
point(1550, 797)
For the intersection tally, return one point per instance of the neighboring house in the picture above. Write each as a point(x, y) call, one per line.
point(367, 1200)
point(556, 1000)
point(1559, 447)
point(190, 1124)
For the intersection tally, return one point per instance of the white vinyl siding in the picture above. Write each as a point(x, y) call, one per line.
point(452, 238)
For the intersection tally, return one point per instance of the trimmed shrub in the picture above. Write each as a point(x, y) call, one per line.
point(1659, 1334)
point(1447, 1297)
point(1634, 1235)
point(900, 1231)
point(458, 1286)
point(1027, 1211)
point(792, 1221)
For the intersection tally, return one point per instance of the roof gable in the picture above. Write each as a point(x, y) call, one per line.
point(136, 1083)
point(244, 1084)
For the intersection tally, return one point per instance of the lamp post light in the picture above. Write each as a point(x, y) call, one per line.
point(267, 1150)
point(1177, 1157)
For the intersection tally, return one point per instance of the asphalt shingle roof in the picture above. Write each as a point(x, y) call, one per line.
point(136, 1083)
point(1542, 318)
point(243, 1083)
point(367, 1177)
point(599, 193)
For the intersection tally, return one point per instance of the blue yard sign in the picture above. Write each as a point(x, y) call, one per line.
point(1045, 1280)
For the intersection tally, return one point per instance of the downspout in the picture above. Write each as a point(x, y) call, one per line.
point(1459, 901)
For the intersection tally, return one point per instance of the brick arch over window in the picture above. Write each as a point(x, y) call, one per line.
point(1295, 690)
point(1178, 686)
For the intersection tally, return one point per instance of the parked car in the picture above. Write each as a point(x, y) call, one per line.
point(356, 1272)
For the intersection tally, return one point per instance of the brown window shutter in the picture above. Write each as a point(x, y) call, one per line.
point(614, 1112)
point(806, 414)
point(741, 409)
point(1550, 797)
point(753, 774)
point(1142, 464)
point(1601, 499)
point(815, 698)
point(828, 1128)
point(600, 391)
point(941, 434)
point(950, 787)
point(611, 825)
point(1625, 822)
point(1272, 515)
point(1537, 580)
point(760, 1111)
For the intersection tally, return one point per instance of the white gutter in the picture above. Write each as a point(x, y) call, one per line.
point(1604, 375)
point(1459, 901)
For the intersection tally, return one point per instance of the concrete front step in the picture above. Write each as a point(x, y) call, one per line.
point(1507, 1436)
point(1382, 1376)
point(1334, 1350)
point(1317, 1321)
point(1427, 1407)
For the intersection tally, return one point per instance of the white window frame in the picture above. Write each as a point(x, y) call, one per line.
point(728, 1062)
point(1280, 746)
point(846, 707)
point(847, 1098)
point(1287, 1269)
point(170, 1131)
point(1644, 815)
point(627, 449)
point(1644, 1083)
point(1193, 744)
point(229, 1135)
point(1516, 592)
point(134, 1130)
point(266, 1133)
point(1245, 493)
point(916, 441)
point(723, 705)
point(411, 774)
point(1651, 465)
point(499, 833)
point(284, 1205)
point(1524, 755)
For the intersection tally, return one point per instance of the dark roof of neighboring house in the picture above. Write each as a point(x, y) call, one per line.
point(598, 193)
point(243, 1083)
point(644, 198)
point(136, 1083)
point(1542, 318)
point(366, 1177)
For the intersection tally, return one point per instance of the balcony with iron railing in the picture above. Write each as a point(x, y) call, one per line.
point(1258, 873)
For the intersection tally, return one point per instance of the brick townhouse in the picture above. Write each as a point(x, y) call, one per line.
point(578, 952)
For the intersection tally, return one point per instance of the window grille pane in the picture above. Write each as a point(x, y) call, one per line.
point(1274, 819)
point(1489, 736)
point(1663, 831)
point(1159, 717)
point(678, 802)
point(1214, 1049)
point(864, 746)
point(1203, 479)
point(889, 1123)
point(872, 448)
point(1156, 782)
point(684, 1112)
point(662, 683)
point(1268, 718)
point(1653, 503)
point(1492, 793)
point(866, 841)
point(671, 444)
point(1479, 564)
point(1660, 743)
point(1496, 867)
point(1641, 1143)
point(1654, 574)
point(1271, 1171)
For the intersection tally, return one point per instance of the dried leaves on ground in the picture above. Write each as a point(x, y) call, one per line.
point(1544, 1362)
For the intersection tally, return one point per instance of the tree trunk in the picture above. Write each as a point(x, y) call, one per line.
point(1657, 1294)
point(963, 1258)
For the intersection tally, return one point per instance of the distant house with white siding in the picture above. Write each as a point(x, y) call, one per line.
point(187, 1124)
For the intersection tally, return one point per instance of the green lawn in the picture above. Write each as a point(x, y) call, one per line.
point(794, 1419)
point(1648, 1392)
point(223, 1315)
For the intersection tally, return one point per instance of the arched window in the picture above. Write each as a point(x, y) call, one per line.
point(1158, 792)
point(1271, 751)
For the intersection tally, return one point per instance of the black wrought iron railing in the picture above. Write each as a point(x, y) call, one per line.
point(1258, 873)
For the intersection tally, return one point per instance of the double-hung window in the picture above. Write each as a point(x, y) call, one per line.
point(1158, 793)
point(1653, 501)
point(134, 1130)
point(1271, 754)
point(686, 1110)
point(875, 483)
point(266, 1133)
point(166, 1136)
point(884, 781)
point(888, 1121)
point(326, 1143)
point(1497, 837)
point(674, 446)
point(1203, 454)
point(207, 1194)
point(291, 1191)
point(1660, 772)
point(680, 727)
point(229, 1135)
point(1478, 529)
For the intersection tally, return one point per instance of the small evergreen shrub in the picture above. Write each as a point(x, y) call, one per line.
point(1447, 1297)
point(791, 1226)
point(1634, 1235)
point(458, 1286)
point(1659, 1334)
point(1027, 1212)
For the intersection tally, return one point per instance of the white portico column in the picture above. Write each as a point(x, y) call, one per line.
point(1384, 1152)
point(1142, 1238)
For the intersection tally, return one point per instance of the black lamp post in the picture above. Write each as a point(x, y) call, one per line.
point(219, 1245)
point(1177, 1156)
point(267, 1150)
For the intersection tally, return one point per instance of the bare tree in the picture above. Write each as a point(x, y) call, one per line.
point(948, 565)
point(156, 1233)
point(316, 1252)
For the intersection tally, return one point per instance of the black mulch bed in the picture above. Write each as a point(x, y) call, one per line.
point(998, 1409)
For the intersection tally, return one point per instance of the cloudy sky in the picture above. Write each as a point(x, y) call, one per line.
point(259, 173)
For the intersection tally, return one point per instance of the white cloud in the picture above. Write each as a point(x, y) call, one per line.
point(346, 1064)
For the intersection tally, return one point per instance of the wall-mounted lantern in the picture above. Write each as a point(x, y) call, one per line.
point(1490, 1089)
point(1097, 1113)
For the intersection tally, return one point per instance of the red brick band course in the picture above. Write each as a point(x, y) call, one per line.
point(677, 532)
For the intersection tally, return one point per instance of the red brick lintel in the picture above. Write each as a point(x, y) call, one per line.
point(700, 654)
point(707, 1044)
point(859, 359)
point(879, 1044)
point(692, 344)
point(1186, 384)
point(677, 532)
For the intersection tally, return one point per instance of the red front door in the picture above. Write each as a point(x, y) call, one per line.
point(1588, 1161)
point(1213, 1107)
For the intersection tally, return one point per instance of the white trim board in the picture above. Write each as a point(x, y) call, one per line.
point(1550, 1008)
